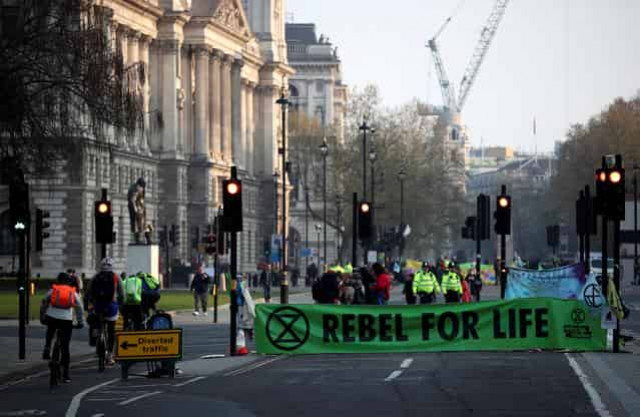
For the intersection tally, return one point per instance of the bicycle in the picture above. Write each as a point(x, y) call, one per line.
point(55, 367)
point(101, 342)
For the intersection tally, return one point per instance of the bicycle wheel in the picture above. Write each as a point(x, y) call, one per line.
point(54, 365)
point(101, 348)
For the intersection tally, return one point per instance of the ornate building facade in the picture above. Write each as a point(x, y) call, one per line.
point(214, 69)
point(317, 91)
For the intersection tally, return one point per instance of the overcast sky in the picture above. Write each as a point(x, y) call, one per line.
point(558, 60)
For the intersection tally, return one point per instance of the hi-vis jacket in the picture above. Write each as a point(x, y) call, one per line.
point(451, 282)
point(425, 281)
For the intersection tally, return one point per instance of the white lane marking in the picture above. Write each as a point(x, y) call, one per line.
point(252, 367)
point(406, 363)
point(629, 399)
point(75, 402)
point(98, 415)
point(393, 375)
point(139, 397)
point(599, 406)
point(182, 384)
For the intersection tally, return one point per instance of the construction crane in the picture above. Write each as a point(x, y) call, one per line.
point(450, 101)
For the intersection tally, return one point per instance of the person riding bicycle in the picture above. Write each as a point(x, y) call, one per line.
point(105, 293)
point(132, 304)
point(62, 298)
point(150, 292)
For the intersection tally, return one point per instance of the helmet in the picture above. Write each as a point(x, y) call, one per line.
point(106, 264)
point(64, 278)
point(452, 264)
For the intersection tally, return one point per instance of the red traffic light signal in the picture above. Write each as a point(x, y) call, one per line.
point(365, 220)
point(233, 187)
point(610, 192)
point(104, 222)
point(365, 207)
point(232, 203)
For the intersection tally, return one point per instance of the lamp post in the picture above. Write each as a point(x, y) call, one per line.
point(338, 226)
point(306, 229)
point(364, 127)
point(318, 228)
point(324, 149)
point(402, 175)
point(635, 224)
point(284, 286)
point(276, 175)
point(372, 159)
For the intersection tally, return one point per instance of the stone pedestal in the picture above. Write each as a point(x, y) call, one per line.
point(145, 258)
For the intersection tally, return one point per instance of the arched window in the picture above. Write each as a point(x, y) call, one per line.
point(7, 238)
point(294, 95)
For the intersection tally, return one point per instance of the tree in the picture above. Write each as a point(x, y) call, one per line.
point(62, 81)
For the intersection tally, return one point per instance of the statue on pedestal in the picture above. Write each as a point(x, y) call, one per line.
point(137, 210)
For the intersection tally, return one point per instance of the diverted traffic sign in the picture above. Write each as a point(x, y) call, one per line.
point(544, 323)
point(149, 345)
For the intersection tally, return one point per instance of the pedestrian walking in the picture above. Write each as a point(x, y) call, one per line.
point(475, 284)
point(200, 288)
point(265, 282)
point(409, 295)
point(466, 290)
point(382, 287)
point(329, 288)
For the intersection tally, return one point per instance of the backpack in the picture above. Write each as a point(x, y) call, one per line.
point(132, 290)
point(63, 296)
point(103, 287)
point(317, 292)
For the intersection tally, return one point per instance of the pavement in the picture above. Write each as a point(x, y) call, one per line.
point(447, 384)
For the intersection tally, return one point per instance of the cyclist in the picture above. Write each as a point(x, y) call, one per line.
point(132, 306)
point(150, 292)
point(61, 299)
point(105, 294)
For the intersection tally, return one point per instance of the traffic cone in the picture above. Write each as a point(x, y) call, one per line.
point(241, 344)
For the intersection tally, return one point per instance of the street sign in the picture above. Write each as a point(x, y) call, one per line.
point(149, 345)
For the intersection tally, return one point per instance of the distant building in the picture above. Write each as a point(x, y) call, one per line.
point(317, 91)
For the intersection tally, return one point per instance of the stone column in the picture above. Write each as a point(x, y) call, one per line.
point(146, 89)
point(225, 79)
point(329, 113)
point(236, 112)
point(169, 96)
point(123, 42)
point(214, 104)
point(202, 88)
point(249, 149)
point(310, 108)
point(187, 111)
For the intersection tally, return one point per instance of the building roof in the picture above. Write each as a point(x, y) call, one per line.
point(304, 33)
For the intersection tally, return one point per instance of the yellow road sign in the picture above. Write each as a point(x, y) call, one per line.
point(148, 345)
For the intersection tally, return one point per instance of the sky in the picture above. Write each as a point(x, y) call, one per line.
point(558, 61)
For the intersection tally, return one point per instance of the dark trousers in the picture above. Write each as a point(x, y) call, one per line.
point(201, 298)
point(426, 297)
point(452, 296)
point(133, 318)
point(66, 327)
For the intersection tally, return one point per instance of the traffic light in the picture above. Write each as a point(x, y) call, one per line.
point(503, 215)
point(469, 230)
point(610, 192)
point(19, 204)
point(365, 220)
point(41, 226)
point(222, 244)
point(232, 203)
point(484, 216)
point(212, 246)
point(173, 235)
point(104, 222)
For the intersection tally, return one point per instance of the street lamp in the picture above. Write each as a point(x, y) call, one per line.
point(338, 226)
point(318, 229)
point(635, 224)
point(306, 226)
point(284, 103)
point(402, 175)
point(324, 149)
point(364, 127)
point(275, 176)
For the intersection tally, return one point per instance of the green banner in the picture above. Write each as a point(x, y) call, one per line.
point(544, 323)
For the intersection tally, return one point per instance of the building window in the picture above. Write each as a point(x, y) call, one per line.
point(319, 86)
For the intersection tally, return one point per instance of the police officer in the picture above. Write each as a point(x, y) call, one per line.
point(451, 284)
point(425, 285)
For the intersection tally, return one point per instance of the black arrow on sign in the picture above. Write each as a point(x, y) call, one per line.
point(125, 345)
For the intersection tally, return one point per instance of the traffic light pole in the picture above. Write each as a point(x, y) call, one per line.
point(503, 256)
point(234, 294)
point(588, 223)
point(22, 293)
point(354, 240)
point(616, 279)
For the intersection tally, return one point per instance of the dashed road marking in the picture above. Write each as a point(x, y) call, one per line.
point(139, 397)
point(182, 384)
point(251, 367)
point(393, 375)
point(406, 363)
point(72, 411)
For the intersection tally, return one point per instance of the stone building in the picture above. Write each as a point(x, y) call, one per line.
point(214, 71)
point(317, 91)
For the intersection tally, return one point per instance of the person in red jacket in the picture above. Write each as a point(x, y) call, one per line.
point(382, 287)
point(466, 289)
